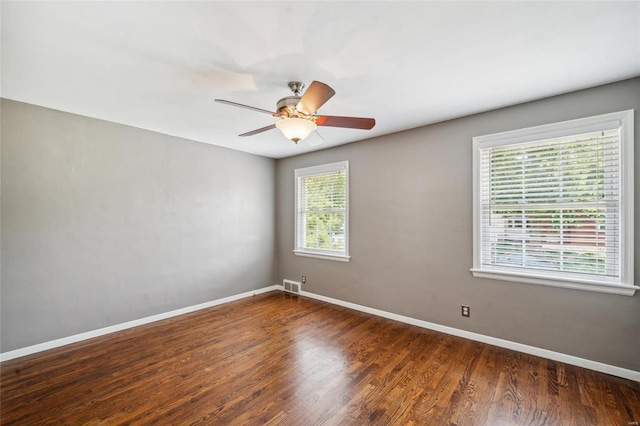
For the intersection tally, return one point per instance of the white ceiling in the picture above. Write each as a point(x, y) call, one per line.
point(160, 65)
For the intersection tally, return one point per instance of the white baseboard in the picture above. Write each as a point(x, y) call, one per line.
point(118, 327)
point(532, 350)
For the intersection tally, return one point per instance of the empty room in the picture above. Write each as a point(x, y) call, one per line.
point(319, 212)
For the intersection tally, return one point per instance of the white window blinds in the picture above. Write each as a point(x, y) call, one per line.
point(321, 209)
point(553, 204)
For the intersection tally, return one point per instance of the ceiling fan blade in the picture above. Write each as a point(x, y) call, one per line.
point(314, 139)
point(260, 130)
point(316, 95)
point(349, 122)
point(222, 101)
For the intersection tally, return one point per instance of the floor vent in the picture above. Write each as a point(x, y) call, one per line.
point(291, 286)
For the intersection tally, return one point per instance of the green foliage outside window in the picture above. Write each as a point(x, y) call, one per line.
point(324, 207)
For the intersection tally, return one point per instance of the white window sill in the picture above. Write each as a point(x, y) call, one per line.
point(337, 257)
point(530, 278)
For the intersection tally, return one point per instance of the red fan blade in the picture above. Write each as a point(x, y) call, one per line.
point(349, 122)
point(315, 96)
point(260, 130)
point(222, 101)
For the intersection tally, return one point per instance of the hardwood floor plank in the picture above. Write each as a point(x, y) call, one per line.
point(282, 360)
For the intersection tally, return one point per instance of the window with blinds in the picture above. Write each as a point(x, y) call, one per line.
point(321, 226)
point(554, 204)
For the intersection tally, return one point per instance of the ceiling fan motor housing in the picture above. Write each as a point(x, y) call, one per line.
point(286, 108)
point(289, 101)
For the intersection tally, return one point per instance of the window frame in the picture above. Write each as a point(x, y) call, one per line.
point(342, 256)
point(626, 285)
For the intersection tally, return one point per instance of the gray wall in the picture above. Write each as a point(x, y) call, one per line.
point(104, 223)
point(411, 236)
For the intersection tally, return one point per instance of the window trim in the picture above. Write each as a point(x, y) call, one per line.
point(623, 119)
point(319, 253)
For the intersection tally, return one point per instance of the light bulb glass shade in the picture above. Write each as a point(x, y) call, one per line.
point(296, 129)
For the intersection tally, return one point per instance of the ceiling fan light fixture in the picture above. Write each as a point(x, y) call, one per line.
point(296, 129)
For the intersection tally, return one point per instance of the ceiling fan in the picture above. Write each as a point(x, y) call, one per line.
point(298, 113)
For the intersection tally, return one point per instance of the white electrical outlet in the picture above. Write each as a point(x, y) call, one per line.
point(466, 311)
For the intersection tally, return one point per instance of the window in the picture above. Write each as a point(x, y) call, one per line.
point(322, 213)
point(553, 204)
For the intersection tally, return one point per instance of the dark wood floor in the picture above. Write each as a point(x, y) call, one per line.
point(278, 359)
